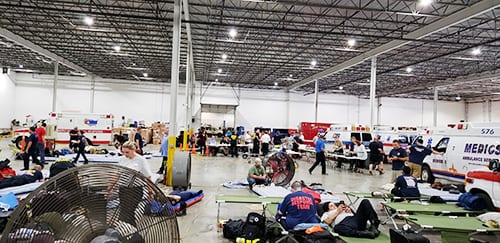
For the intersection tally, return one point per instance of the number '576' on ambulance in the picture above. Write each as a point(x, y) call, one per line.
point(465, 147)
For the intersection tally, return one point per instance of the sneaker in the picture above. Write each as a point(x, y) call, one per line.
point(381, 172)
point(371, 172)
point(23, 169)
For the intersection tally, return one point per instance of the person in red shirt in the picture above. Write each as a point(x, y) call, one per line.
point(40, 131)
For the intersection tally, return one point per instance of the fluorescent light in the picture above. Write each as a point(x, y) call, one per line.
point(341, 87)
point(219, 70)
point(77, 73)
point(135, 68)
point(94, 29)
point(145, 75)
point(425, 3)
point(476, 51)
point(314, 62)
point(404, 74)
point(24, 70)
point(363, 84)
point(351, 42)
point(275, 83)
point(291, 75)
point(458, 98)
point(466, 58)
point(117, 48)
point(21, 66)
point(415, 13)
point(224, 56)
point(346, 49)
point(216, 80)
point(88, 20)
point(233, 33)
point(142, 78)
point(409, 69)
point(230, 40)
point(119, 54)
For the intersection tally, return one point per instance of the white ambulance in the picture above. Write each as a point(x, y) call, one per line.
point(485, 183)
point(464, 147)
point(96, 127)
point(345, 133)
point(405, 134)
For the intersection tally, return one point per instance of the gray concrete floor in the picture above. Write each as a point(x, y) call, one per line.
point(208, 173)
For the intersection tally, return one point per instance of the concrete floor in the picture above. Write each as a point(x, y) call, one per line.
point(208, 173)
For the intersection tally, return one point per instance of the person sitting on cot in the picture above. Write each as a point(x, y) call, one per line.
point(406, 185)
point(346, 223)
point(19, 180)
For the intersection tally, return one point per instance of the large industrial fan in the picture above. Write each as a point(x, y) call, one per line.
point(94, 203)
point(280, 167)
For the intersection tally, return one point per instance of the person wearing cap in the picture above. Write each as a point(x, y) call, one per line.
point(406, 185)
point(320, 155)
point(257, 174)
point(376, 155)
point(417, 154)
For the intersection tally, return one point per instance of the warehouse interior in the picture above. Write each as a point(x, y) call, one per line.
point(187, 64)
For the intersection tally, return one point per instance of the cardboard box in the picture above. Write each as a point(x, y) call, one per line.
point(156, 141)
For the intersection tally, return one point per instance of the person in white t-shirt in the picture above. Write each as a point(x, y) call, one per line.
point(265, 140)
point(132, 193)
point(346, 223)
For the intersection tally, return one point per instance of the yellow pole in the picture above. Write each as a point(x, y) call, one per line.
point(184, 140)
point(170, 160)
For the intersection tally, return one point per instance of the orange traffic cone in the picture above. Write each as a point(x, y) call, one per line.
point(207, 153)
point(193, 150)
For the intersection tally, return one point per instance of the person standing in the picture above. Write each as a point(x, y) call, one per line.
point(418, 152)
point(73, 136)
point(40, 131)
point(376, 155)
point(248, 140)
point(31, 149)
point(132, 193)
point(233, 148)
point(80, 144)
point(265, 140)
point(256, 142)
point(397, 157)
point(361, 155)
point(320, 155)
point(138, 141)
point(164, 151)
point(202, 141)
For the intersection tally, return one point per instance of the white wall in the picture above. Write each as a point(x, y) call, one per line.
point(480, 112)
point(269, 108)
point(7, 100)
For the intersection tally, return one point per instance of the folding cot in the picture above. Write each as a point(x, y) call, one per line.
point(426, 194)
point(423, 208)
point(453, 229)
point(278, 191)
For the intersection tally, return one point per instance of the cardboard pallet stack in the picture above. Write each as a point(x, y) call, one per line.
point(157, 133)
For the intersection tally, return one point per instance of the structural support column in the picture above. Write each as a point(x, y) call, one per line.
point(288, 108)
point(92, 93)
point(174, 84)
point(54, 87)
point(316, 97)
point(378, 112)
point(373, 88)
point(435, 109)
point(489, 110)
point(187, 89)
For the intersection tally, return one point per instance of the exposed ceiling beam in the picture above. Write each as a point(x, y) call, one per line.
point(38, 49)
point(434, 27)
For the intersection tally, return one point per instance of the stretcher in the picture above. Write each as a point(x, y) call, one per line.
point(423, 208)
point(382, 238)
point(426, 194)
point(453, 229)
point(266, 202)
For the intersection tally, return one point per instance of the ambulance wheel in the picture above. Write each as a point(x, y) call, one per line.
point(427, 175)
point(18, 141)
point(487, 201)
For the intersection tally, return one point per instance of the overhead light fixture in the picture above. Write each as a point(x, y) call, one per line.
point(77, 73)
point(404, 74)
point(291, 75)
point(117, 48)
point(145, 75)
point(458, 98)
point(233, 33)
point(21, 66)
point(346, 49)
point(219, 70)
point(341, 88)
point(24, 70)
point(112, 53)
point(476, 51)
point(415, 13)
point(94, 29)
point(135, 68)
point(409, 69)
point(9, 45)
point(142, 78)
point(216, 80)
point(425, 3)
point(224, 56)
point(88, 20)
point(351, 42)
point(313, 63)
point(466, 58)
point(275, 83)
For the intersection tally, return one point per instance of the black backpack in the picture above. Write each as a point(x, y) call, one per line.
point(255, 227)
point(60, 166)
point(233, 229)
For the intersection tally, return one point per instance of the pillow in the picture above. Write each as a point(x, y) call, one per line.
point(489, 216)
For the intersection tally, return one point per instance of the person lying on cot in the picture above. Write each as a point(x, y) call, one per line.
point(346, 223)
point(181, 197)
point(406, 185)
point(19, 180)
